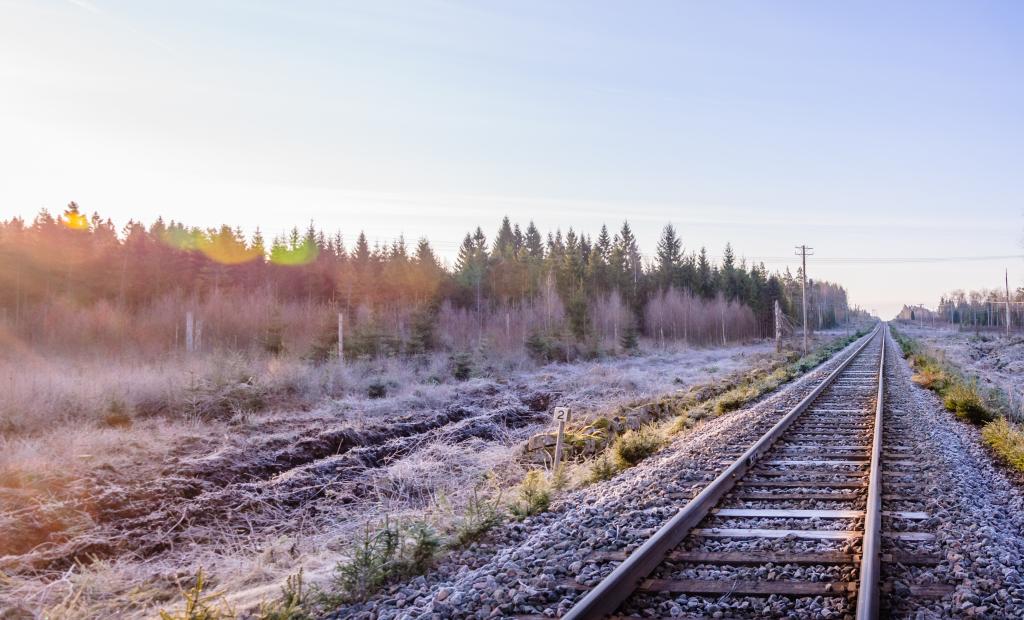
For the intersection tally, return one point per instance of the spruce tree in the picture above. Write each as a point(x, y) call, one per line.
point(361, 255)
point(705, 281)
point(534, 244)
point(669, 257)
point(629, 340)
point(505, 241)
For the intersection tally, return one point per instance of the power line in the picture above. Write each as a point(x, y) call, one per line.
point(865, 260)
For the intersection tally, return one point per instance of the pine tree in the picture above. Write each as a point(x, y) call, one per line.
point(570, 269)
point(505, 241)
point(628, 265)
point(597, 265)
point(425, 256)
point(604, 243)
point(398, 250)
point(533, 244)
point(727, 275)
point(361, 256)
point(464, 262)
point(518, 241)
point(471, 265)
point(669, 256)
point(629, 339)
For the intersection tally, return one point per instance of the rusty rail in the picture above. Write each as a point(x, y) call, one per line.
point(871, 549)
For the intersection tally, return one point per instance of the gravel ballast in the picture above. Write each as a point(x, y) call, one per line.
point(524, 568)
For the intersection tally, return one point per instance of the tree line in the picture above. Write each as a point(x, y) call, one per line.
point(517, 286)
point(979, 308)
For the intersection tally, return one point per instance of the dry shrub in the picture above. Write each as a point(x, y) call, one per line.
point(927, 377)
point(200, 606)
point(1006, 440)
point(634, 446)
point(735, 398)
point(966, 402)
point(682, 423)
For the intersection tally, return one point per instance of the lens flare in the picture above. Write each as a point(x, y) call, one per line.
point(223, 247)
point(227, 251)
point(182, 239)
point(302, 254)
point(75, 220)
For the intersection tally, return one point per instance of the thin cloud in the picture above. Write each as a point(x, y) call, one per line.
point(85, 4)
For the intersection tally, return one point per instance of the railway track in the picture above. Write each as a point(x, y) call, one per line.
point(820, 506)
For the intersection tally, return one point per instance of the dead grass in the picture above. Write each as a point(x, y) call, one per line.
point(70, 421)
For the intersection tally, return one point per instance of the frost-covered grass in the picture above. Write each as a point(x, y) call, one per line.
point(58, 447)
point(997, 408)
point(959, 394)
point(995, 361)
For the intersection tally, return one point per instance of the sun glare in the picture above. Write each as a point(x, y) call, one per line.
point(302, 254)
point(75, 220)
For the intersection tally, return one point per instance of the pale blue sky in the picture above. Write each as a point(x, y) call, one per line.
point(863, 129)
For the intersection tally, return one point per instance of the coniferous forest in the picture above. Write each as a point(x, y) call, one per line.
point(74, 279)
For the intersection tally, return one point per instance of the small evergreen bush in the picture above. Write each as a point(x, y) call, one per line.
point(292, 604)
point(602, 468)
point(629, 340)
point(377, 389)
point(964, 400)
point(481, 514)
point(382, 555)
point(533, 495)
point(634, 446)
point(462, 366)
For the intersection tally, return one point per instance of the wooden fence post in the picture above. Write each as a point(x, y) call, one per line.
point(341, 338)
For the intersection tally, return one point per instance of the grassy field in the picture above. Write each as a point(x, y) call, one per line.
point(121, 478)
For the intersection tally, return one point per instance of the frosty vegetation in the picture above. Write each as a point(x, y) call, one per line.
point(979, 378)
point(128, 462)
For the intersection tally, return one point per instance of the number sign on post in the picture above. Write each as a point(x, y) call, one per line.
point(561, 415)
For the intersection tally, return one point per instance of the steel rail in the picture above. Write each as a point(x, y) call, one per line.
point(607, 595)
point(871, 547)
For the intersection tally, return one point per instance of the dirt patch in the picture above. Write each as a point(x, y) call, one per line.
point(242, 487)
point(251, 498)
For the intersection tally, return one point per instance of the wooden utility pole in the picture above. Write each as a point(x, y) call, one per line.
point(803, 250)
point(1007, 275)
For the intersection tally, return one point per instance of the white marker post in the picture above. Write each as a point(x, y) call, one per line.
point(341, 339)
point(561, 415)
point(190, 343)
